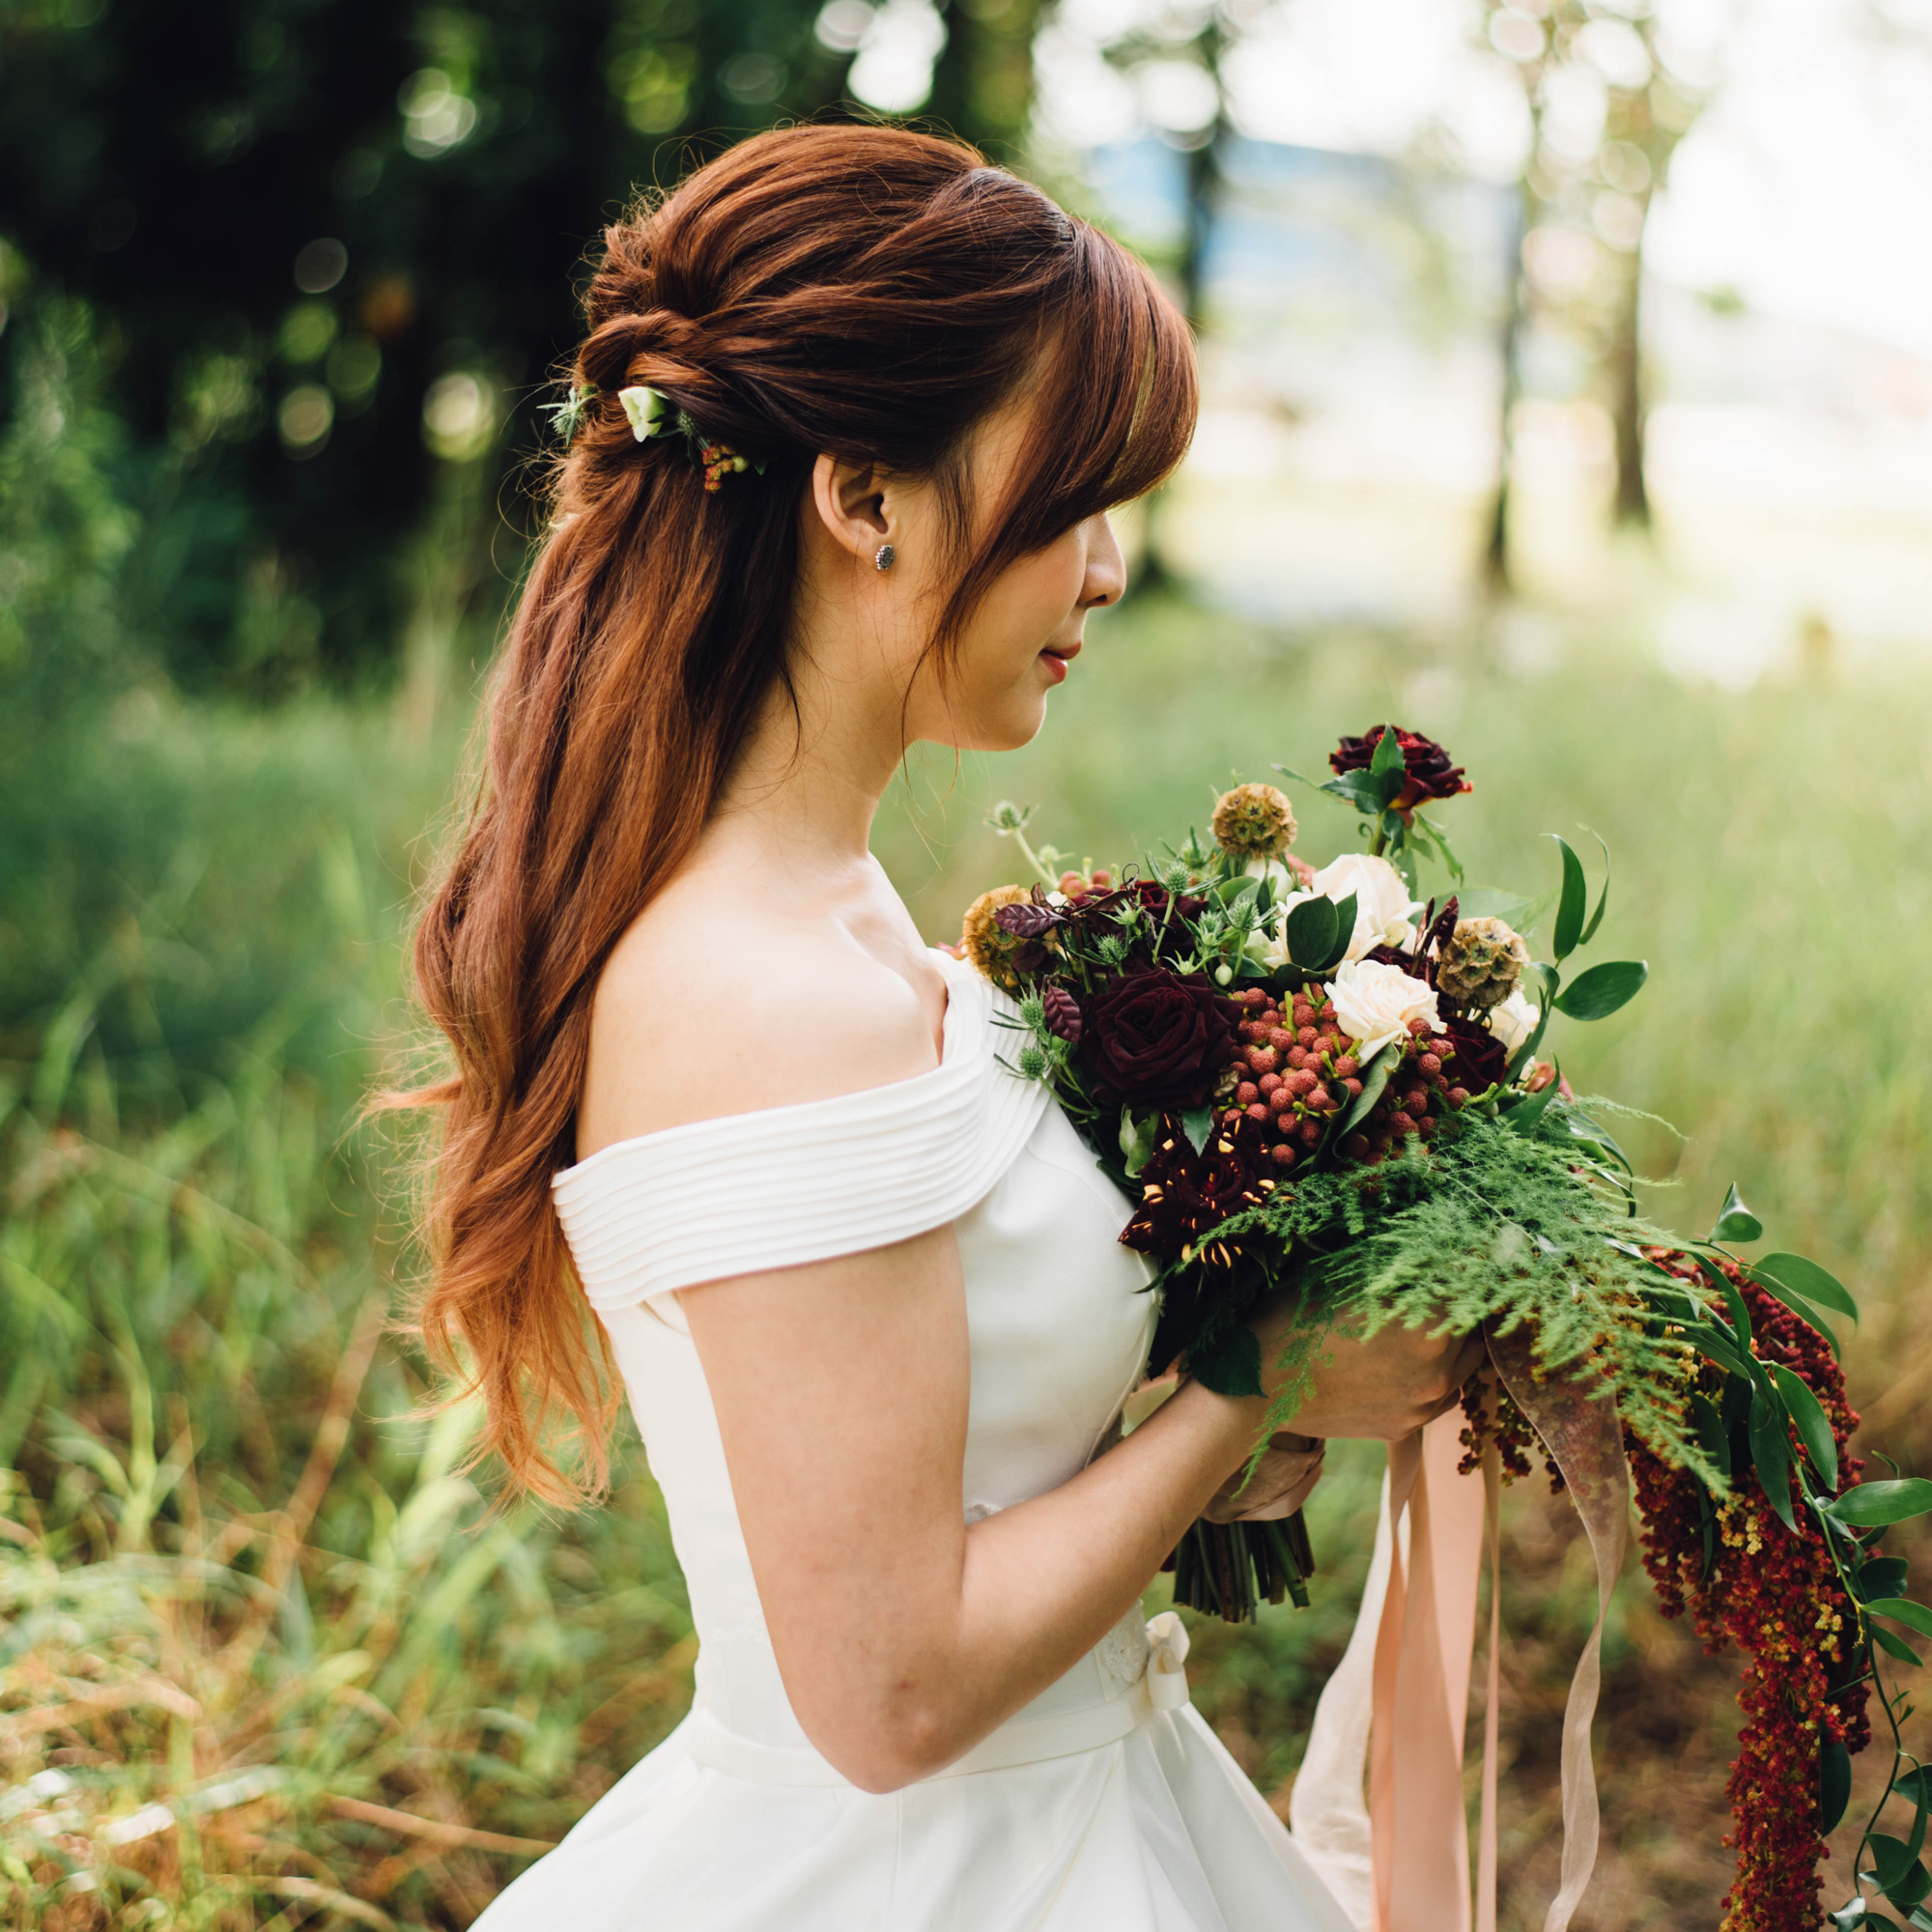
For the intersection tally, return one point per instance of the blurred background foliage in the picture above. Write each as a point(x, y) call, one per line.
point(285, 284)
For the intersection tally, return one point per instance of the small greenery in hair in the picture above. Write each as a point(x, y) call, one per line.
point(567, 416)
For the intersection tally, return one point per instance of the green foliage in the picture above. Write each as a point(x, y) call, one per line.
point(1488, 1226)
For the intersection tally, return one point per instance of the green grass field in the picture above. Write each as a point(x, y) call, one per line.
point(265, 1661)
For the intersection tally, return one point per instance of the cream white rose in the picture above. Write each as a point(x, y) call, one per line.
point(1514, 1021)
point(1385, 912)
point(1375, 1003)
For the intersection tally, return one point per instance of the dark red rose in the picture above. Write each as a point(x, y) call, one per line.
point(1154, 1039)
point(1479, 1059)
point(1428, 772)
point(1184, 1194)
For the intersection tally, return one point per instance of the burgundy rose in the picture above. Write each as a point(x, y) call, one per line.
point(1152, 1038)
point(1426, 764)
point(1184, 1194)
point(1480, 1059)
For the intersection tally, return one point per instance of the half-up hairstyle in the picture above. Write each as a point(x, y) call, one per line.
point(865, 292)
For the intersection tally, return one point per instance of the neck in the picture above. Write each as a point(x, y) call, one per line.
point(807, 782)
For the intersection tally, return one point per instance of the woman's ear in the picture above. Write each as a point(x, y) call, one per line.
point(854, 504)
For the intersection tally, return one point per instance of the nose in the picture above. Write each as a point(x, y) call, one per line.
point(1106, 567)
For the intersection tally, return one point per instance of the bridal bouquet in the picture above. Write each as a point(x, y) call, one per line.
point(1324, 1083)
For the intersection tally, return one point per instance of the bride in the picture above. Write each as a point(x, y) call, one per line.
point(846, 428)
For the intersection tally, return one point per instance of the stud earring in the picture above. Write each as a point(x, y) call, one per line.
point(885, 557)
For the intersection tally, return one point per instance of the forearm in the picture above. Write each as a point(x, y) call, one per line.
point(1040, 1583)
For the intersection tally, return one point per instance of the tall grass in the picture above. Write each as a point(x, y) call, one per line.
point(266, 1662)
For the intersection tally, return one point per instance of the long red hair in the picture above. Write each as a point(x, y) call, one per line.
point(864, 291)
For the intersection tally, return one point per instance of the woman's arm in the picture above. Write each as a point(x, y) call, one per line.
point(842, 1387)
point(904, 1636)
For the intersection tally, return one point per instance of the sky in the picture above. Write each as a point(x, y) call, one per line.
point(1806, 186)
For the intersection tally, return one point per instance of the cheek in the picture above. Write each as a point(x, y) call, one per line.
point(1034, 598)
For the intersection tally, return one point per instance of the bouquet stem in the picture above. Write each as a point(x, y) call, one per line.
point(1228, 1570)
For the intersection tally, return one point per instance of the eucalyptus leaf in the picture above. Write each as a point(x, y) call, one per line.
point(1892, 1646)
point(1835, 1785)
point(1344, 934)
point(1574, 904)
point(1712, 1435)
point(1771, 1453)
point(1373, 1075)
point(1893, 1861)
point(1803, 1311)
point(1523, 1054)
point(1197, 1123)
point(1883, 1577)
point(1526, 1114)
point(1603, 897)
point(1872, 1504)
point(1805, 1278)
point(1814, 1429)
point(1601, 990)
point(1902, 1610)
point(1711, 1342)
point(1735, 1221)
point(1229, 1363)
point(1492, 902)
point(1309, 933)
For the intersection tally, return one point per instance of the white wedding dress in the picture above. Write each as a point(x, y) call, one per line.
point(1092, 1810)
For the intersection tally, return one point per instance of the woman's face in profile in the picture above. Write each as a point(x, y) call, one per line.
point(1021, 641)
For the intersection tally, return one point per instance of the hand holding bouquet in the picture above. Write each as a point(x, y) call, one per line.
point(1325, 1085)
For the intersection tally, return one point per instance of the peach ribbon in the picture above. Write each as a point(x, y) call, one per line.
point(1433, 1540)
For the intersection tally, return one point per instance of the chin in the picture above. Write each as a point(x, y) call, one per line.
point(1012, 727)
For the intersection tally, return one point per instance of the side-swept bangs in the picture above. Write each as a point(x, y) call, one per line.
point(1114, 396)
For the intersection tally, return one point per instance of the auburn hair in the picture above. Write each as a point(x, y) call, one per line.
point(863, 290)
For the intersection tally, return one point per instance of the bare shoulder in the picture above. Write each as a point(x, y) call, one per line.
point(712, 1003)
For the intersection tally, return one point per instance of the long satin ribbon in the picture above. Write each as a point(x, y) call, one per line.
point(1580, 1430)
point(1417, 1690)
point(1421, 1690)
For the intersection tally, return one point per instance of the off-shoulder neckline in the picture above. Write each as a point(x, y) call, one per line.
point(962, 982)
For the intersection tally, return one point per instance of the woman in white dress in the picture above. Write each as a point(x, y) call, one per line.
point(854, 406)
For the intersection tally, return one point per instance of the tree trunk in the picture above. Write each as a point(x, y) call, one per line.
point(1496, 578)
point(1627, 401)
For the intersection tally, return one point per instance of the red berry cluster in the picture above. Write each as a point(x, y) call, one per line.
point(1773, 1592)
point(718, 461)
point(1295, 1069)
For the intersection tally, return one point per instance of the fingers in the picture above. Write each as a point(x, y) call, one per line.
point(1288, 1471)
point(1470, 1356)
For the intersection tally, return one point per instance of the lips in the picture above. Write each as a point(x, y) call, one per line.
point(1057, 657)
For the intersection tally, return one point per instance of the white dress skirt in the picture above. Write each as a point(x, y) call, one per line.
point(1095, 1809)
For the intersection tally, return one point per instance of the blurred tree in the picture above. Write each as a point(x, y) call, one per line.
point(1173, 53)
point(1607, 112)
point(327, 248)
point(982, 78)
